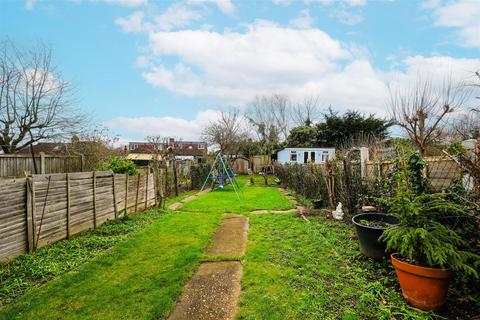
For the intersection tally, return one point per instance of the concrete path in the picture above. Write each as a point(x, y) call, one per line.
point(176, 205)
point(214, 289)
point(275, 211)
point(230, 240)
point(212, 292)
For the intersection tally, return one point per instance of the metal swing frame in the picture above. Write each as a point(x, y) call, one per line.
point(224, 166)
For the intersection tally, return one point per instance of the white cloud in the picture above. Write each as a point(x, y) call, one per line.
point(266, 58)
point(345, 11)
point(176, 15)
point(133, 23)
point(29, 4)
point(142, 127)
point(353, 3)
point(303, 20)
point(346, 16)
point(226, 6)
point(282, 2)
point(125, 3)
point(237, 65)
point(462, 15)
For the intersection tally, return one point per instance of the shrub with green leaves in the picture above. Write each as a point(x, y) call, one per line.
point(119, 165)
point(420, 237)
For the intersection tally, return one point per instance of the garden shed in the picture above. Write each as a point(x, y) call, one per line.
point(305, 155)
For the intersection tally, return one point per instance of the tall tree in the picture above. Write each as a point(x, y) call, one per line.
point(228, 132)
point(35, 101)
point(270, 116)
point(350, 128)
point(423, 111)
point(306, 112)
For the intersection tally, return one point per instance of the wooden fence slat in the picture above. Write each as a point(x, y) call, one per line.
point(114, 196)
point(94, 178)
point(30, 203)
point(146, 189)
point(68, 206)
point(138, 189)
point(126, 195)
point(34, 215)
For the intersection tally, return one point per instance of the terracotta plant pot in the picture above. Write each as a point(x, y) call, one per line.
point(424, 288)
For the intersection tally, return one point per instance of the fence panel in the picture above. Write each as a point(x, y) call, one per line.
point(13, 225)
point(15, 165)
point(57, 206)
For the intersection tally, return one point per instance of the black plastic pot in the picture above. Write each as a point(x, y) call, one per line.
point(368, 236)
point(317, 203)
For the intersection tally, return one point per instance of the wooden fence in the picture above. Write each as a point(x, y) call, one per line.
point(440, 170)
point(15, 165)
point(42, 209)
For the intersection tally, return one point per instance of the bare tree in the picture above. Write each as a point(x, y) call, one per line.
point(307, 112)
point(35, 101)
point(228, 132)
point(466, 126)
point(158, 164)
point(270, 116)
point(423, 111)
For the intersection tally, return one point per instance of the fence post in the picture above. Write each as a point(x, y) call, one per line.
point(82, 163)
point(42, 163)
point(364, 158)
point(94, 199)
point(30, 215)
point(126, 195)
point(138, 188)
point(114, 196)
point(68, 206)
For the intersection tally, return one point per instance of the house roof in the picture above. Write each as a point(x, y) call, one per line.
point(46, 147)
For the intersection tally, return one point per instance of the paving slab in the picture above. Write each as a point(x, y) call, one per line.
point(274, 211)
point(212, 292)
point(190, 198)
point(175, 206)
point(230, 240)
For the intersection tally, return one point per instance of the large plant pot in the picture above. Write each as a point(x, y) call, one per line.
point(424, 288)
point(368, 236)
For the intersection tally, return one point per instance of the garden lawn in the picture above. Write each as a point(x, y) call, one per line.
point(299, 270)
point(253, 197)
point(138, 279)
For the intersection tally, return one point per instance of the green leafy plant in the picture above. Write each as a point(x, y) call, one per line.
point(419, 237)
point(119, 165)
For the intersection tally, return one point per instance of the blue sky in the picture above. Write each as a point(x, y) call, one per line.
point(144, 67)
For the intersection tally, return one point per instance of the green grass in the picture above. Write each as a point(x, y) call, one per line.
point(138, 279)
point(299, 270)
point(252, 198)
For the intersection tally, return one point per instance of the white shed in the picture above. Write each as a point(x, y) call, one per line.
point(305, 155)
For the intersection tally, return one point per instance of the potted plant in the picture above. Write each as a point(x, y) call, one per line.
point(426, 251)
point(369, 227)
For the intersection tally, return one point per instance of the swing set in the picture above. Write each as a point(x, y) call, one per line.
point(221, 173)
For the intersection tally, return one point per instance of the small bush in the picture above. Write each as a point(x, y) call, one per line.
point(119, 165)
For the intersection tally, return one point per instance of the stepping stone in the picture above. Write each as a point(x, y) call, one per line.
point(175, 206)
point(204, 191)
point(231, 237)
point(212, 292)
point(274, 211)
point(190, 198)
